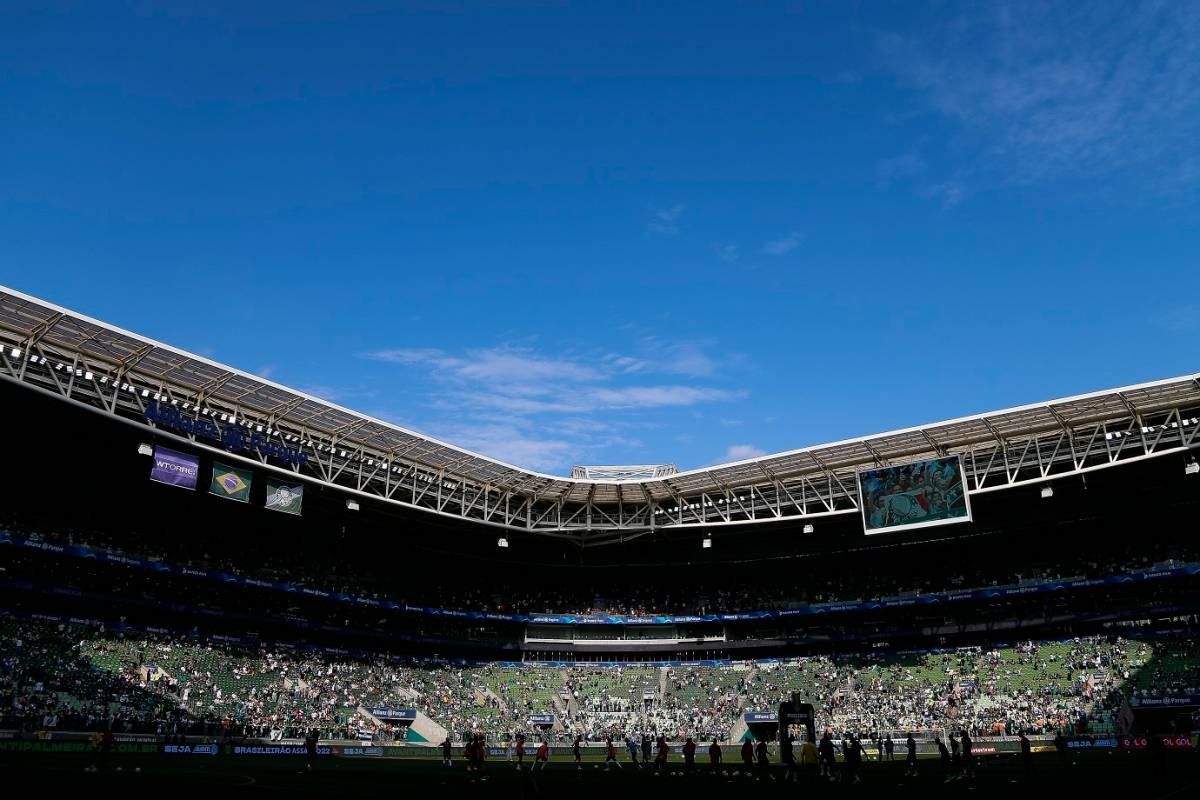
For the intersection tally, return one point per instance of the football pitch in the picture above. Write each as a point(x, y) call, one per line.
point(1115, 773)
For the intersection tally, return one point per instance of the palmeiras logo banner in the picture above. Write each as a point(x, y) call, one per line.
point(230, 482)
point(284, 497)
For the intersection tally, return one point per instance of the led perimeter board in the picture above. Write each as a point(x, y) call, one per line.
point(917, 495)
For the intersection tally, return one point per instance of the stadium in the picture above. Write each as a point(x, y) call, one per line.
point(201, 565)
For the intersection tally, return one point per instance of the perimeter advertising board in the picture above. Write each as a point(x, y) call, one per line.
point(917, 495)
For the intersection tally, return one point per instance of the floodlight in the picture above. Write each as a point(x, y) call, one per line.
point(352, 505)
point(706, 543)
point(145, 449)
point(808, 528)
point(1191, 468)
point(15, 352)
point(502, 542)
point(1047, 492)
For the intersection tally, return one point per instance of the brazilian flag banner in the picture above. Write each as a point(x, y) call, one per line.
point(287, 498)
point(230, 482)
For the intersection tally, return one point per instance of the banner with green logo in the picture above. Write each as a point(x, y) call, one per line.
point(284, 497)
point(231, 482)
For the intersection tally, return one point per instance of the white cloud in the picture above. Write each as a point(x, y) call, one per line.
point(665, 221)
point(728, 252)
point(539, 409)
point(494, 364)
point(783, 246)
point(511, 444)
point(1077, 90)
point(741, 452)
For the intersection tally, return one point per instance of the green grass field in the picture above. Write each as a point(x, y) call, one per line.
point(1115, 773)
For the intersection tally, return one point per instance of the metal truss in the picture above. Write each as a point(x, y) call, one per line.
point(400, 477)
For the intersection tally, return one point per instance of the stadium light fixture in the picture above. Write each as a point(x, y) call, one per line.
point(15, 352)
point(706, 543)
point(808, 528)
point(352, 505)
point(1047, 492)
point(502, 542)
point(145, 449)
point(1192, 468)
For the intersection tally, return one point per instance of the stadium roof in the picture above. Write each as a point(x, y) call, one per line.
point(29, 323)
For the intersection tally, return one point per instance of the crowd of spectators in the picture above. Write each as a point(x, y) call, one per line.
point(636, 598)
point(81, 676)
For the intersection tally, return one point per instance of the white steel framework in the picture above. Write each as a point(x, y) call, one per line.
point(117, 373)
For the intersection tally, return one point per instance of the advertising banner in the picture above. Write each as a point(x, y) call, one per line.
point(174, 468)
point(284, 497)
point(389, 714)
point(230, 482)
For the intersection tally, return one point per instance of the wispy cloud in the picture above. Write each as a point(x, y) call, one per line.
point(728, 253)
point(540, 409)
point(784, 245)
point(741, 452)
point(665, 221)
point(905, 165)
point(1063, 89)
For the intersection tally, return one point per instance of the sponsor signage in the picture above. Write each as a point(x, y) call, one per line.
point(190, 749)
point(541, 719)
point(1179, 701)
point(389, 714)
point(231, 437)
point(1174, 742)
point(276, 750)
point(761, 716)
point(174, 468)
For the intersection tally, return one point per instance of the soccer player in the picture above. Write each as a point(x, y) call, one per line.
point(645, 748)
point(1026, 755)
point(827, 758)
point(660, 760)
point(945, 756)
point(310, 748)
point(610, 757)
point(714, 757)
point(787, 754)
point(809, 758)
point(968, 763)
point(910, 761)
point(577, 751)
point(689, 755)
point(446, 750)
point(747, 756)
point(520, 750)
point(543, 755)
point(632, 746)
point(764, 760)
point(889, 747)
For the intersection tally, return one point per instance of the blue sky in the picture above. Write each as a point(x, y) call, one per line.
point(614, 232)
